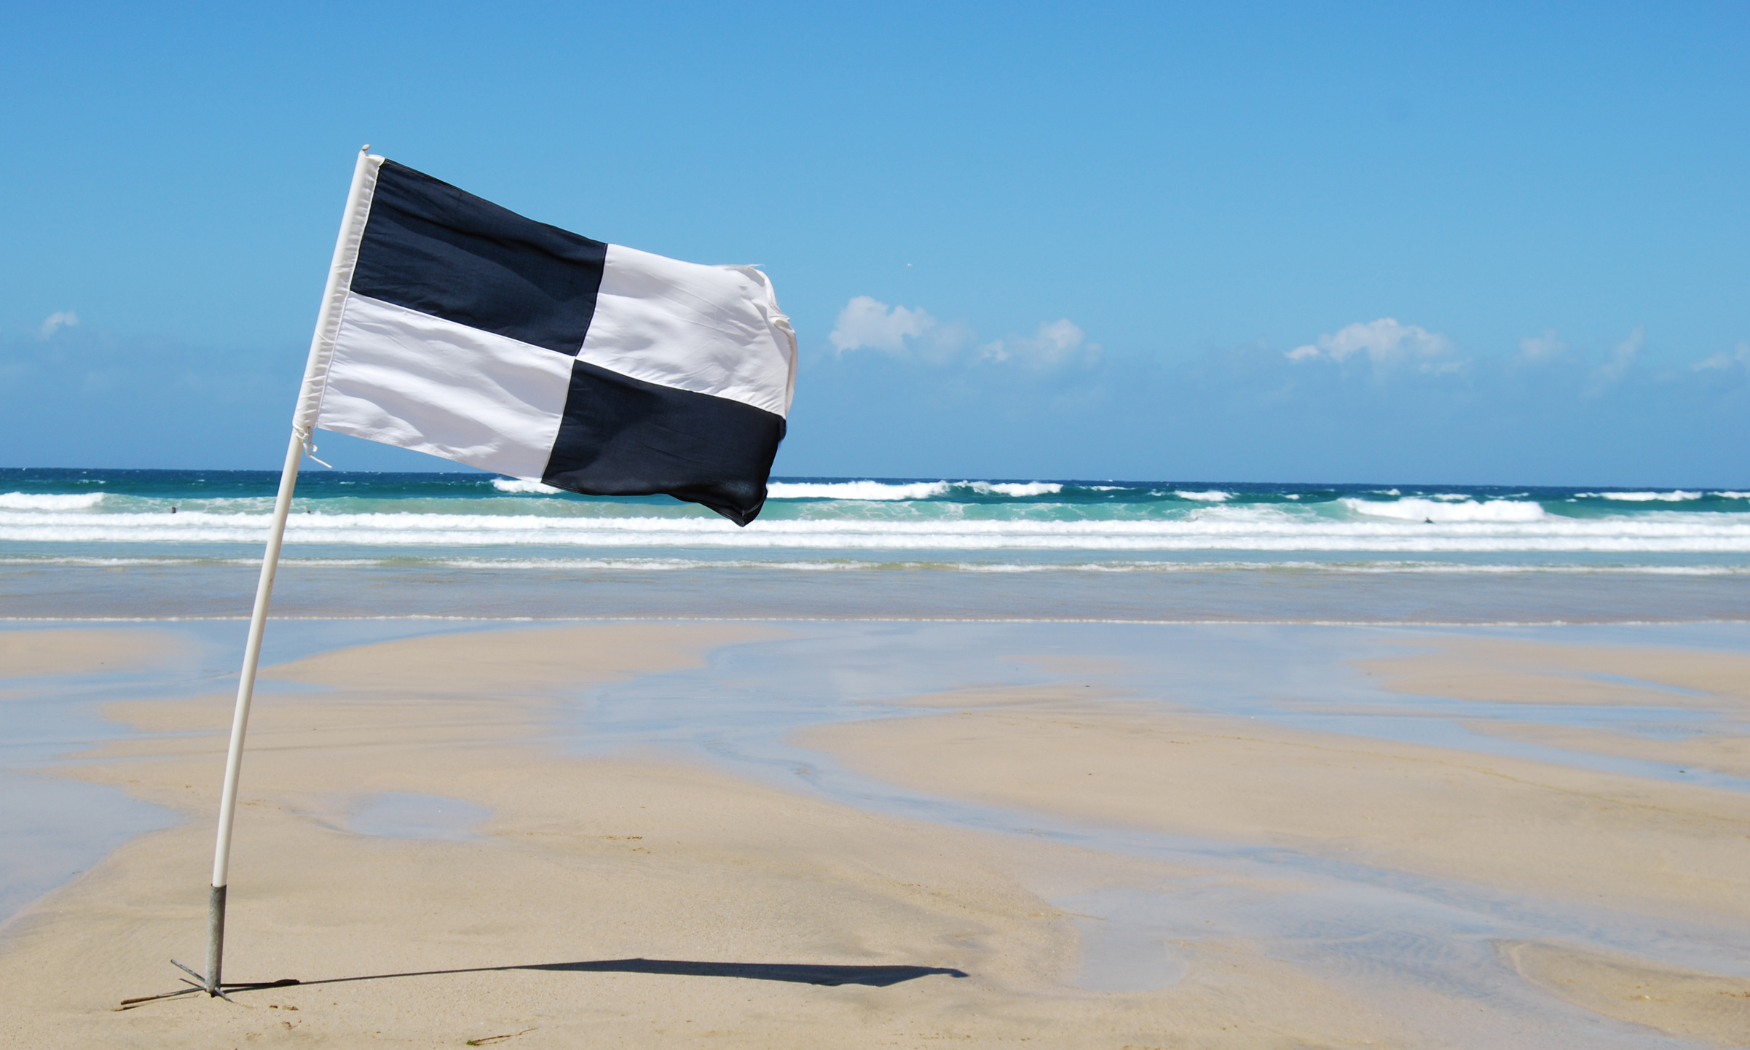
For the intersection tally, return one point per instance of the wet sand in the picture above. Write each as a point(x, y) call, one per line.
point(647, 898)
point(1532, 828)
point(1544, 834)
point(1504, 670)
point(608, 902)
point(83, 650)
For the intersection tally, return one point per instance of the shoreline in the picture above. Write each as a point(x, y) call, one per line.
point(1190, 595)
point(851, 619)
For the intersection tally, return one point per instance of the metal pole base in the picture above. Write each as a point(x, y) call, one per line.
point(201, 986)
point(215, 941)
point(210, 982)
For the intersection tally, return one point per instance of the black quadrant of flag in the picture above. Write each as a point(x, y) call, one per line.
point(445, 252)
point(623, 436)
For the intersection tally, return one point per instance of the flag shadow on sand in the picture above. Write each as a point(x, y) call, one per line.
point(795, 973)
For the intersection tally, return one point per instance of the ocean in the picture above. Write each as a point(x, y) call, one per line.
point(162, 544)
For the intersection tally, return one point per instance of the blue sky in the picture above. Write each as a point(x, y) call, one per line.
point(1466, 243)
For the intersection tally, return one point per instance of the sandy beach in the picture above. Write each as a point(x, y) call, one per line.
point(1189, 878)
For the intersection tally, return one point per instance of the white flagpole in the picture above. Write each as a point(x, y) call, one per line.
point(358, 207)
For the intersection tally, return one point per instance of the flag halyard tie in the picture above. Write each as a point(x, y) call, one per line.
point(307, 438)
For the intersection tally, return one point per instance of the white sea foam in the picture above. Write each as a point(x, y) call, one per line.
point(1441, 512)
point(1641, 497)
point(45, 501)
point(1496, 526)
point(120, 563)
point(677, 564)
point(518, 485)
point(1018, 490)
point(1212, 496)
point(913, 490)
point(855, 490)
point(652, 564)
point(848, 565)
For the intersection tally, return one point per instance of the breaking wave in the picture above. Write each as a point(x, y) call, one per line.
point(857, 490)
point(49, 501)
point(1677, 496)
point(518, 485)
point(1500, 526)
point(1020, 490)
point(226, 514)
point(1442, 510)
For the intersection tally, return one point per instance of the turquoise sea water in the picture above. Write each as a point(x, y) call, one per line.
point(129, 544)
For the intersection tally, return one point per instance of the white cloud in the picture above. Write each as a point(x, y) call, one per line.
point(1387, 344)
point(1739, 356)
point(867, 323)
point(1608, 374)
point(57, 321)
point(1054, 342)
point(1536, 349)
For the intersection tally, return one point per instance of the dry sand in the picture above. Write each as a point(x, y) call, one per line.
point(588, 866)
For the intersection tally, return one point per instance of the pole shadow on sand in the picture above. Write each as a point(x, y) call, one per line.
point(795, 973)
